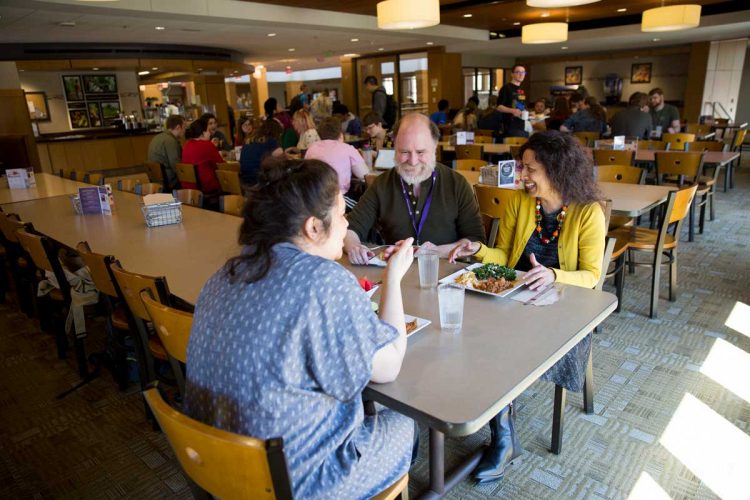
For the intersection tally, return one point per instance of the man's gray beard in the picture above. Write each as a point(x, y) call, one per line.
point(415, 180)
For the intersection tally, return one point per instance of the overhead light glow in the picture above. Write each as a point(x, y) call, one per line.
point(159, 28)
point(671, 18)
point(381, 49)
point(95, 69)
point(468, 15)
point(271, 34)
point(544, 33)
point(551, 4)
point(154, 69)
point(517, 23)
point(351, 55)
point(144, 73)
point(622, 10)
point(430, 43)
point(355, 39)
point(408, 14)
point(292, 50)
point(545, 14)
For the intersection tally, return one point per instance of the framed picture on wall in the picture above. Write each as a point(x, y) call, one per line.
point(38, 109)
point(640, 73)
point(110, 110)
point(573, 75)
point(100, 84)
point(78, 118)
point(73, 87)
point(95, 114)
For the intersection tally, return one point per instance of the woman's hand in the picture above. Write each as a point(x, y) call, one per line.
point(463, 248)
point(539, 276)
point(358, 254)
point(401, 257)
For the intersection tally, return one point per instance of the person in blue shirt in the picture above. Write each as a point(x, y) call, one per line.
point(284, 340)
point(440, 117)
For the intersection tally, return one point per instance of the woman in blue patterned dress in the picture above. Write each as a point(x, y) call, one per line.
point(284, 340)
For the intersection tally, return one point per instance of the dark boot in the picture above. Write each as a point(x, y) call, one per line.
point(504, 447)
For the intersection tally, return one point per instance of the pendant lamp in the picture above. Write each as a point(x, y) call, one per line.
point(671, 18)
point(408, 14)
point(544, 33)
point(553, 4)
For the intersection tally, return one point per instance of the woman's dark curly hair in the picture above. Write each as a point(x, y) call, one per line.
point(287, 194)
point(569, 168)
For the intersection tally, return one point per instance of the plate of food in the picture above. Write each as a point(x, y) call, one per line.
point(414, 324)
point(490, 279)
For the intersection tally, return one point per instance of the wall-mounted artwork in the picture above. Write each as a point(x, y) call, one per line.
point(95, 114)
point(73, 87)
point(573, 75)
point(110, 110)
point(100, 84)
point(640, 73)
point(38, 109)
point(78, 118)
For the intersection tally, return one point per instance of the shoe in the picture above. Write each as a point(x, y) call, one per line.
point(504, 447)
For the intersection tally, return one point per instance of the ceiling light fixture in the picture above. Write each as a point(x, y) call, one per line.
point(95, 69)
point(271, 34)
point(154, 69)
point(351, 55)
point(656, 40)
point(564, 47)
point(545, 14)
point(622, 10)
point(381, 49)
point(408, 14)
point(671, 18)
point(430, 43)
point(292, 50)
point(67, 24)
point(517, 23)
point(468, 15)
point(159, 28)
point(550, 4)
point(544, 33)
point(355, 39)
point(141, 73)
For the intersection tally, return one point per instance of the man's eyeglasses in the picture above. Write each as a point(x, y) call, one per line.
point(519, 72)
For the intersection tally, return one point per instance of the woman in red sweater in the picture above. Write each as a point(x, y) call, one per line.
point(200, 151)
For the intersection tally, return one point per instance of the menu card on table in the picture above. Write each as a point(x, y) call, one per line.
point(505, 174)
point(20, 178)
point(94, 200)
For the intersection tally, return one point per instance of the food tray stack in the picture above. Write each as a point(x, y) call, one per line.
point(162, 214)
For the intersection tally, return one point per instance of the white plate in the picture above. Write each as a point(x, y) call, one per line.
point(372, 291)
point(421, 323)
point(452, 279)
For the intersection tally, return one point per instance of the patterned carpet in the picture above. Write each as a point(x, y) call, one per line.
point(649, 375)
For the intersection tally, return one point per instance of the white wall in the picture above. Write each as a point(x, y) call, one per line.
point(50, 82)
point(9, 75)
point(724, 75)
point(667, 72)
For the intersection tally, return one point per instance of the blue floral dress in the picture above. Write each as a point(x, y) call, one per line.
point(288, 356)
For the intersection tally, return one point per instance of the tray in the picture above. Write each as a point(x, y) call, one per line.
point(451, 278)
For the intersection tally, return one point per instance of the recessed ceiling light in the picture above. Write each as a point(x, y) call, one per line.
point(430, 43)
point(501, 35)
point(545, 14)
point(144, 72)
point(292, 50)
point(517, 23)
point(351, 55)
point(154, 69)
point(271, 34)
point(95, 69)
point(159, 28)
point(657, 39)
point(200, 69)
point(381, 49)
point(355, 39)
point(622, 10)
point(468, 15)
point(564, 47)
point(67, 24)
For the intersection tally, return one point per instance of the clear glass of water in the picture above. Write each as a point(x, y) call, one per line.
point(428, 268)
point(451, 302)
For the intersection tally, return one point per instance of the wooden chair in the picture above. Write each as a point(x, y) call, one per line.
point(660, 242)
point(96, 179)
point(587, 138)
point(685, 166)
point(472, 177)
point(128, 185)
point(677, 142)
point(492, 202)
point(653, 145)
point(515, 152)
point(191, 197)
point(439, 153)
point(612, 157)
point(698, 129)
point(737, 142)
point(173, 328)
point(232, 204)
point(155, 171)
point(229, 181)
point(515, 141)
point(232, 166)
point(148, 188)
point(482, 132)
point(186, 172)
point(482, 139)
point(209, 456)
point(117, 316)
point(706, 146)
point(620, 173)
point(472, 165)
point(78, 175)
point(469, 152)
point(711, 181)
point(64, 173)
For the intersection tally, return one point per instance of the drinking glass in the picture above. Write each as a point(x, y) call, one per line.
point(451, 303)
point(428, 268)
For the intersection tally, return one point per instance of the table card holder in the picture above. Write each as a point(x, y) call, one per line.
point(506, 173)
point(461, 138)
point(619, 142)
point(94, 200)
point(20, 178)
point(110, 194)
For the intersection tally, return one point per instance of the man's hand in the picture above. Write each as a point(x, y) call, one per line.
point(359, 254)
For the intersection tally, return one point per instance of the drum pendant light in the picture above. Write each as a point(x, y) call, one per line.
point(553, 4)
point(408, 14)
point(544, 33)
point(671, 18)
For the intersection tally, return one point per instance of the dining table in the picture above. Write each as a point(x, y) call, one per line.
point(47, 186)
point(487, 148)
point(634, 200)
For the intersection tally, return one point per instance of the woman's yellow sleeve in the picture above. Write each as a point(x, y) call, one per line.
point(590, 250)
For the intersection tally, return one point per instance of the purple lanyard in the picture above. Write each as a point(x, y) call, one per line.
point(425, 210)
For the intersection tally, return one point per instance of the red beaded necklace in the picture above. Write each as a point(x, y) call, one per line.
point(560, 220)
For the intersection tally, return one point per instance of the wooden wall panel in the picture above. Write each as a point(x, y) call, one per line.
point(57, 157)
point(44, 65)
point(697, 65)
point(15, 120)
point(74, 154)
point(139, 144)
point(103, 63)
point(348, 84)
point(45, 165)
point(446, 72)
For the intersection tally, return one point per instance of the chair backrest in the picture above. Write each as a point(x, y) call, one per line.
point(698, 129)
point(683, 164)
point(677, 141)
point(191, 197)
point(171, 325)
point(232, 204)
point(653, 145)
point(492, 202)
point(224, 464)
point(155, 172)
point(469, 151)
point(98, 265)
point(63, 172)
point(472, 165)
point(131, 285)
point(9, 224)
point(483, 132)
point(43, 255)
point(515, 141)
point(515, 152)
point(739, 139)
point(232, 166)
point(229, 181)
point(186, 173)
point(482, 139)
point(612, 157)
point(128, 185)
point(607, 210)
point(620, 173)
point(96, 179)
point(148, 188)
point(587, 138)
point(681, 206)
point(472, 177)
point(78, 175)
point(609, 247)
point(706, 146)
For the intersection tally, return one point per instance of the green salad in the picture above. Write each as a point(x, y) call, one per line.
point(494, 271)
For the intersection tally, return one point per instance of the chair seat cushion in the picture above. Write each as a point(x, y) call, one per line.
point(707, 181)
point(641, 238)
point(620, 246)
point(157, 349)
point(616, 221)
point(120, 318)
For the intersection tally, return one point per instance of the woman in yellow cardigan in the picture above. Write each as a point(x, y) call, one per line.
point(555, 231)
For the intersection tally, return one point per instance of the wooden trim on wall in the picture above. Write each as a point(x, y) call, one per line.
point(44, 65)
point(603, 56)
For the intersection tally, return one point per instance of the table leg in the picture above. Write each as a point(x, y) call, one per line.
point(558, 417)
point(440, 483)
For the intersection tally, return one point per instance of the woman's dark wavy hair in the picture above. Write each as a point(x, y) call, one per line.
point(196, 128)
point(287, 194)
point(569, 168)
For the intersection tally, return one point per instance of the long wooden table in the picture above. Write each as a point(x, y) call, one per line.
point(634, 200)
point(47, 186)
point(456, 383)
point(488, 148)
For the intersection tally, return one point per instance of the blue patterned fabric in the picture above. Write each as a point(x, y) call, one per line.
point(289, 356)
